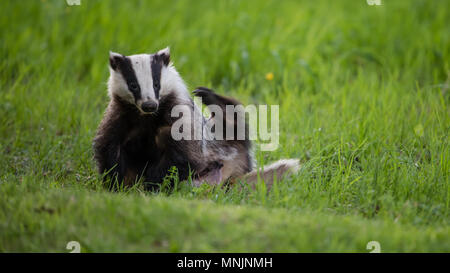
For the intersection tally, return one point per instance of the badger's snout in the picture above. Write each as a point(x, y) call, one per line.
point(149, 106)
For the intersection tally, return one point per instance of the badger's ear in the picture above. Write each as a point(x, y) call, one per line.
point(165, 55)
point(114, 59)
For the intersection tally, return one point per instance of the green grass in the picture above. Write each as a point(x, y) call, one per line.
point(364, 103)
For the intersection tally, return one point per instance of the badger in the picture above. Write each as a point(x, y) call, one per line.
point(134, 138)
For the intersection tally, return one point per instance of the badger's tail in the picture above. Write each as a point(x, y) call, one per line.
point(280, 169)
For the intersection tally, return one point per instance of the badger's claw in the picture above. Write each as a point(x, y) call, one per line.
point(203, 89)
point(208, 96)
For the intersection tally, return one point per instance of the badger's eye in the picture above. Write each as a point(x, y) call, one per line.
point(155, 85)
point(134, 86)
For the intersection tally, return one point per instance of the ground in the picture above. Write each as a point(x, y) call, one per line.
point(364, 100)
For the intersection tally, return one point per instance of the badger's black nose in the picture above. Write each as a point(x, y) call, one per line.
point(149, 106)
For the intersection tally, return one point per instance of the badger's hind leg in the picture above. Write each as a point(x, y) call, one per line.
point(235, 152)
point(209, 97)
point(232, 122)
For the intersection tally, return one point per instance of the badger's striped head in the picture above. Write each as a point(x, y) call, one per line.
point(142, 79)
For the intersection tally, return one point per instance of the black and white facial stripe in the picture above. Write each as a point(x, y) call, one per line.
point(141, 77)
point(123, 65)
point(158, 60)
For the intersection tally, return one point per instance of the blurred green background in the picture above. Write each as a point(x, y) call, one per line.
point(363, 93)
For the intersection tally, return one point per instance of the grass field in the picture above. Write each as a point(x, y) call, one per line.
point(364, 103)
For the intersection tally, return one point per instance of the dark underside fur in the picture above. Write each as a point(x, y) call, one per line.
point(129, 145)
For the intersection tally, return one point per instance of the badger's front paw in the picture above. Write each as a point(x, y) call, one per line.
point(211, 175)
